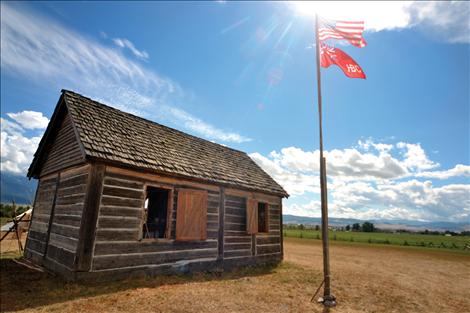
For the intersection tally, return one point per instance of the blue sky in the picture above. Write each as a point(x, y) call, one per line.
point(243, 75)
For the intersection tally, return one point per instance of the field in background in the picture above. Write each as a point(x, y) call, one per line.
point(402, 239)
point(365, 278)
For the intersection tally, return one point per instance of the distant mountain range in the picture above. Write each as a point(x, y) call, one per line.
point(17, 188)
point(383, 224)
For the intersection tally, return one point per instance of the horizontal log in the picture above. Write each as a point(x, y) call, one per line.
point(236, 212)
point(237, 246)
point(71, 199)
point(268, 240)
point(70, 220)
point(70, 209)
point(60, 241)
point(213, 218)
point(235, 199)
point(74, 181)
point(60, 255)
point(119, 222)
point(240, 239)
point(213, 225)
point(235, 233)
point(115, 201)
point(230, 218)
point(117, 234)
point(212, 210)
point(40, 236)
point(110, 181)
point(121, 211)
point(144, 246)
point(235, 227)
point(265, 249)
point(137, 259)
point(65, 230)
point(212, 234)
point(78, 189)
point(123, 192)
point(39, 227)
point(238, 253)
point(36, 245)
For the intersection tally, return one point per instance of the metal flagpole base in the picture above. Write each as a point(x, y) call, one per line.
point(328, 301)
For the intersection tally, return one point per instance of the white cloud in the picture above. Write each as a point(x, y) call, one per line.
point(30, 119)
point(458, 170)
point(446, 20)
point(125, 43)
point(369, 182)
point(39, 49)
point(16, 148)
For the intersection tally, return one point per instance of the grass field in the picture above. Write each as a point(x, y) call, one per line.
point(365, 278)
point(410, 239)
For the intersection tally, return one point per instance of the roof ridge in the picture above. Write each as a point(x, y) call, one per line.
point(150, 121)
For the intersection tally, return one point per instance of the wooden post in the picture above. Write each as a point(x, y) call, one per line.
point(86, 238)
point(328, 299)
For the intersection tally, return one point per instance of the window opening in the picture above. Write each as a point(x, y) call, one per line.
point(155, 213)
point(262, 217)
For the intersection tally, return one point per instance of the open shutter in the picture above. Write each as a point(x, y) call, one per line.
point(191, 215)
point(252, 216)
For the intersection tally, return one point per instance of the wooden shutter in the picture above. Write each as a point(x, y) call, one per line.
point(252, 216)
point(191, 215)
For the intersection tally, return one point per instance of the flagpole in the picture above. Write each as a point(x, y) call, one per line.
point(328, 299)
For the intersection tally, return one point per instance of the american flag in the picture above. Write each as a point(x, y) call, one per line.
point(346, 30)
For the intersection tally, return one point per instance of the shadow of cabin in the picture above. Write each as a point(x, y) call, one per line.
point(119, 195)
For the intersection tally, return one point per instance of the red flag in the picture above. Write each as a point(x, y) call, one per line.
point(330, 55)
point(346, 30)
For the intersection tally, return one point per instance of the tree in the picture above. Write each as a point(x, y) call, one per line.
point(356, 227)
point(317, 227)
point(301, 227)
point(368, 227)
point(348, 227)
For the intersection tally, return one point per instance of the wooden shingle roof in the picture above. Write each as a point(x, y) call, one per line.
point(108, 134)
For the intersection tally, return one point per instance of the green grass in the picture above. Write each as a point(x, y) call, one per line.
point(402, 239)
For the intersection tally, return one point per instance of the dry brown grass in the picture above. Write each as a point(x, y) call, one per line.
point(366, 278)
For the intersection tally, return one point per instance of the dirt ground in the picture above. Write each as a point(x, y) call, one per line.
point(366, 278)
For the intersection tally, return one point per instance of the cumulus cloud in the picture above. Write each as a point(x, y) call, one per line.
point(126, 43)
point(37, 48)
point(17, 148)
point(458, 170)
point(371, 181)
point(444, 20)
point(30, 119)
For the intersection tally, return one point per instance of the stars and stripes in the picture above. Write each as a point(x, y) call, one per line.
point(344, 30)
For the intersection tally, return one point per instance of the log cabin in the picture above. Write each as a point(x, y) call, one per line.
point(119, 195)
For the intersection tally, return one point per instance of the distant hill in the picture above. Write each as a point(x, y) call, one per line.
point(383, 224)
point(17, 188)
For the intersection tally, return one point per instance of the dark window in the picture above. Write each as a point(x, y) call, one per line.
point(262, 217)
point(156, 213)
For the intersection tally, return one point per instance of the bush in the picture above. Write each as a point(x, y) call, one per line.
point(8, 210)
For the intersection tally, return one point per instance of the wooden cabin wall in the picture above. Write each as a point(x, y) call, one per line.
point(238, 244)
point(117, 244)
point(37, 235)
point(64, 151)
point(53, 235)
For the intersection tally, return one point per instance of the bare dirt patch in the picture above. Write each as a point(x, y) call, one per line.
point(366, 278)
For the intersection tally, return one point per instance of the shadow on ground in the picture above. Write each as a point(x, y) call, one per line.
point(22, 287)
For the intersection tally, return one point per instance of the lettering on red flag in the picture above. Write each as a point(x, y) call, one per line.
point(330, 55)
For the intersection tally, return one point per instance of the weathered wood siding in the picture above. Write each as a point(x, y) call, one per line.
point(118, 244)
point(37, 235)
point(237, 242)
point(64, 151)
point(57, 213)
point(66, 217)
